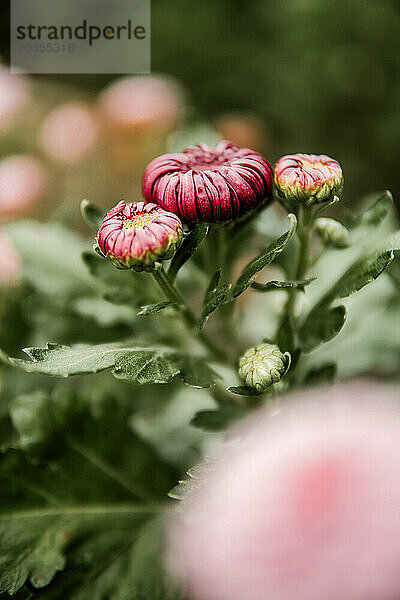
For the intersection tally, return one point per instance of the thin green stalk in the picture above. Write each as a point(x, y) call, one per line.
point(226, 312)
point(303, 233)
point(216, 247)
point(173, 294)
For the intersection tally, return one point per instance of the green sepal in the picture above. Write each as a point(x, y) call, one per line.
point(92, 215)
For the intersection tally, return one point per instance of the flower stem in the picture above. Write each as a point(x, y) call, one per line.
point(173, 294)
point(215, 247)
point(303, 233)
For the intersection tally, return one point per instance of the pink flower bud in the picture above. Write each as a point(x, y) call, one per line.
point(135, 236)
point(13, 97)
point(69, 133)
point(10, 262)
point(209, 184)
point(23, 183)
point(136, 103)
point(308, 178)
point(301, 503)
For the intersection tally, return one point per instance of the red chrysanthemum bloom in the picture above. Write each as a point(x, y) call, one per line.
point(135, 236)
point(209, 184)
point(308, 178)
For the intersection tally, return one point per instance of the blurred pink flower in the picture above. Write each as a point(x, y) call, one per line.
point(23, 183)
point(69, 133)
point(144, 102)
point(209, 184)
point(308, 178)
point(14, 97)
point(301, 504)
point(244, 129)
point(137, 235)
point(10, 262)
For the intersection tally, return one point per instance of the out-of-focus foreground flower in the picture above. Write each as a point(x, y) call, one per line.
point(302, 503)
point(10, 262)
point(209, 184)
point(14, 96)
point(23, 183)
point(135, 236)
point(69, 133)
point(308, 178)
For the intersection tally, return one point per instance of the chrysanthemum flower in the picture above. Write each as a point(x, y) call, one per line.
point(209, 184)
point(308, 178)
point(135, 236)
point(302, 502)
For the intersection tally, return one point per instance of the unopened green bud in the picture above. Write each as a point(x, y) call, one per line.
point(263, 366)
point(332, 233)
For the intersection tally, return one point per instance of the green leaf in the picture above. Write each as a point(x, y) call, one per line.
point(180, 490)
point(214, 298)
point(361, 273)
point(137, 364)
point(265, 258)
point(152, 309)
point(196, 373)
point(194, 475)
point(116, 286)
point(189, 246)
point(90, 505)
point(217, 420)
point(32, 419)
point(277, 285)
point(378, 205)
point(321, 375)
point(322, 326)
point(92, 215)
point(215, 279)
point(285, 337)
point(243, 390)
point(392, 242)
point(51, 256)
point(378, 211)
